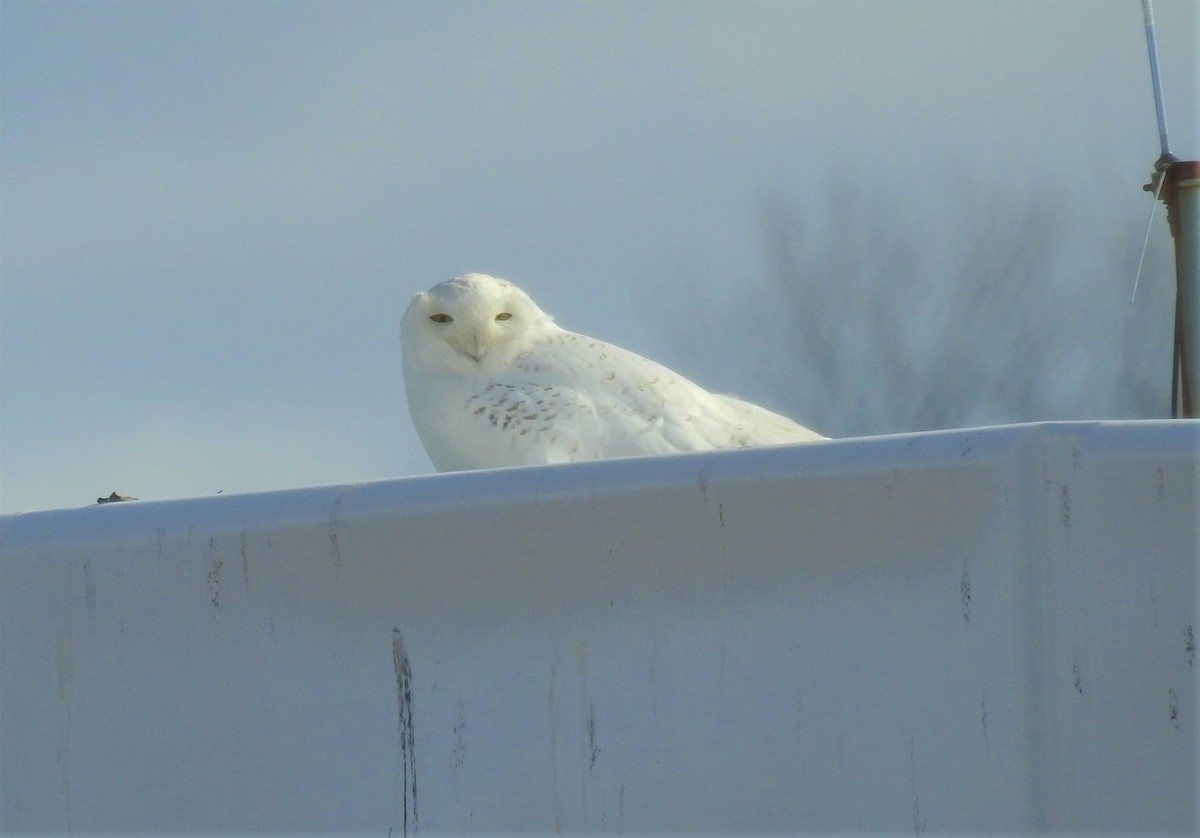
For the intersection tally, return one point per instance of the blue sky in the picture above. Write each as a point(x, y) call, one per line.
point(213, 213)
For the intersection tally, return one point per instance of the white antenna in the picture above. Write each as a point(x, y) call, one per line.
point(1160, 109)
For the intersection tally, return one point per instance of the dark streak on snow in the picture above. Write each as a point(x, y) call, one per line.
point(917, 818)
point(404, 703)
point(593, 747)
point(460, 742)
point(214, 574)
point(983, 717)
point(702, 477)
point(245, 560)
point(1191, 644)
point(334, 550)
point(1173, 708)
point(89, 587)
point(964, 592)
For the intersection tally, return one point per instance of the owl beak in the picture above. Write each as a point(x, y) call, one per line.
point(477, 347)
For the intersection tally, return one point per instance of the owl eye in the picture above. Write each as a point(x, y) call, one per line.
point(504, 315)
point(441, 318)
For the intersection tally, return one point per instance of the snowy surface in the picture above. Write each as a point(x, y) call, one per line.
point(989, 629)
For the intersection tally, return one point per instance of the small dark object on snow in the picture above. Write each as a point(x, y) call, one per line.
point(114, 498)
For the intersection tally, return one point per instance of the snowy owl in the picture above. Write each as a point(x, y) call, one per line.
point(492, 381)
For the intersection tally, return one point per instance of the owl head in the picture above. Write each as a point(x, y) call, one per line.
point(470, 324)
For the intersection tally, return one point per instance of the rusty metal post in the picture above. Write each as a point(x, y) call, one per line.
point(1182, 197)
point(1178, 181)
point(1181, 193)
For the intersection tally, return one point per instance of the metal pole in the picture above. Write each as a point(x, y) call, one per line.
point(1181, 179)
point(1182, 197)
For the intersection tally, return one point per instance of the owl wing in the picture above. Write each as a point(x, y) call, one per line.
point(616, 402)
point(569, 397)
point(572, 397)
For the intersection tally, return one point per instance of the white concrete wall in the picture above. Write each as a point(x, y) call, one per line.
point(989, 629)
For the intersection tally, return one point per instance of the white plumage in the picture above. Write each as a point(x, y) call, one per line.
point(492, 381)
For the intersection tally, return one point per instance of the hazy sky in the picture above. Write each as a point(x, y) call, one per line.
point(212, 214)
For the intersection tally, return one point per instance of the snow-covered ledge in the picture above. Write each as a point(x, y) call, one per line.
point(988, 629)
